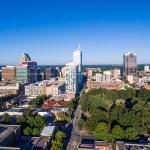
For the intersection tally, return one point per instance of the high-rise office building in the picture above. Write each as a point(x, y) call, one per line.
point(27, 71)
point(71, 78)
point(25, 58)
point(130, 63)
point(77, 58)
point(9, 73)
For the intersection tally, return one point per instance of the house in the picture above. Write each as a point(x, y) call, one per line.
point(56, 105)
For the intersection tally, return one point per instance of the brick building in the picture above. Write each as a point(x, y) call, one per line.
point(9, 73)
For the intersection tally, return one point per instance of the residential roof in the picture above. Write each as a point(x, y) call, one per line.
point(51, 103)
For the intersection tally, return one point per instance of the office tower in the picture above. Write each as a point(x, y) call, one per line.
point(71, 78)
point(146, 68)
point(25, 58)
point(77, 58)
point(130, 64)
point(9, 73)
point(27, 71)
point(98, 77)
point(51, 73)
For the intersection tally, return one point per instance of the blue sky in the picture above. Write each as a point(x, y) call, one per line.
point(50, 30)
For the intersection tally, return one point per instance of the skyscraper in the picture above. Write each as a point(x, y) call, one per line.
point(77, 58)
point(71, 78)
point(27, 70)
point(25, 58)
point(130, 63)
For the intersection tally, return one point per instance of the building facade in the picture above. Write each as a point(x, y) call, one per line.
point(9, 73)
point(7, 88)
point(55, 89)
point(112, 85)
point(146, 68)
point(25, 58)
point(130, 64)
point(71, 78)
point(27, 72)
point(77, 58)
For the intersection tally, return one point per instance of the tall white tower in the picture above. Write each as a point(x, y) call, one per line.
point(77, 58)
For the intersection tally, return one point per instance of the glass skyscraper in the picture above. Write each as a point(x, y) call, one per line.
point(130, 64)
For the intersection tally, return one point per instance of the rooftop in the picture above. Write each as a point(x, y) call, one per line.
point(6, 130)
point(48, 131)
point(41, 143)
point(132, 146)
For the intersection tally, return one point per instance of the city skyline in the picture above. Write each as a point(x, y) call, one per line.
point(105, 30)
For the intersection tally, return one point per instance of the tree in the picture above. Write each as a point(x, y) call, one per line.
point(102, 131)
point(38, 101)
point(27, 131)
point(32, 123)
point(35, 131)
point(129, 93)
point(63, 117)
point(57, 143)
point(117, 133)
point(21, 119)
point(131, 134)
point(125, 118)
point(6, 118)
point(39, 121)
point(144, 94)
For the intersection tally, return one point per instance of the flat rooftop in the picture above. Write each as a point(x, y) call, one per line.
point(87, 143)
point(41, 143)
point(132, 146)
point(5, 130)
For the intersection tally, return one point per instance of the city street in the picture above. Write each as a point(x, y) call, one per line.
point(75, 137)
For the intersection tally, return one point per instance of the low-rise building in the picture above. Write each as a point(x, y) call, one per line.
point(130, 78)
point(8, 87)
point(48, 131)
point(47, 87)
point(120, 145)
point(112, 85)
point(56, 105)
point(55, 102)
point(102, 145)
point(9, 135)
point(56, 88)
point(116, 73)
point(35, 89)
point(87, 144)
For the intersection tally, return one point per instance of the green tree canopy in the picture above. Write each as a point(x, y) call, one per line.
point(117, 133)
point(102, 131)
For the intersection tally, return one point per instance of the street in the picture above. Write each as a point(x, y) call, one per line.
point(75, 138)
